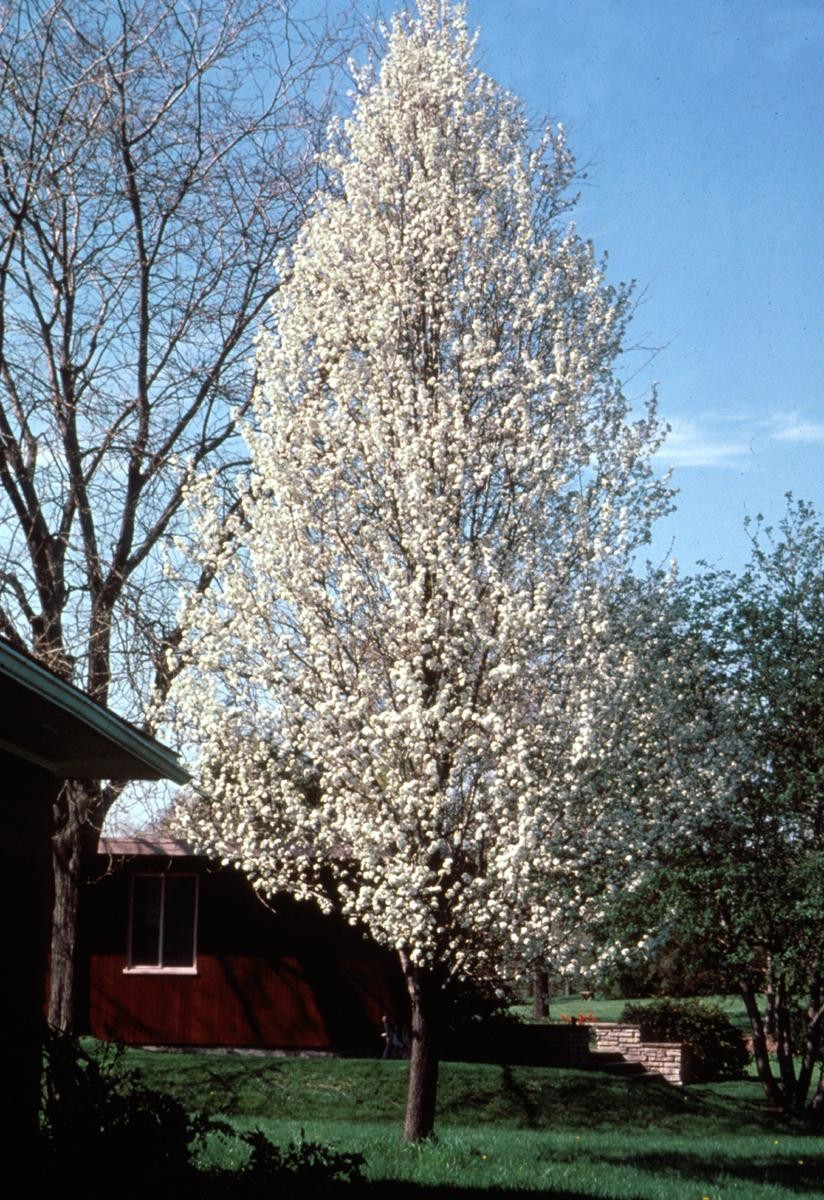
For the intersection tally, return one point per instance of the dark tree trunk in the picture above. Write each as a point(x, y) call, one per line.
point(812, 1043)
point(76, 832)
point(786, 1062)
point(759, 1045)
point(540, 992)
point(424, 1057)
point(817, 1105)
point(62, 964)
point(769, 1010)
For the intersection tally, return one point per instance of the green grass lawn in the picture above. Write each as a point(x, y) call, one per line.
point(509, 1131)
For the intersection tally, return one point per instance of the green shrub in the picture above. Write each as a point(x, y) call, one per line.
point(100, 1122)
point(94, 1110)
point(304, 1168)
point(719, 1048)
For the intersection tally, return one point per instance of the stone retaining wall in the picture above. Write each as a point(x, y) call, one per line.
point(673, 1061)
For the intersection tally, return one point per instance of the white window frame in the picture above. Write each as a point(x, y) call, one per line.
point(159, 968)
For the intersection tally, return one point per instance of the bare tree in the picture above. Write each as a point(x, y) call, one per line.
point(154, 156)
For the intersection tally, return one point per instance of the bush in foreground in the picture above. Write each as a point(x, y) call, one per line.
point(99, 1122)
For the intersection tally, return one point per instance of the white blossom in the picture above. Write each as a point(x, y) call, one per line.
point(399, 685)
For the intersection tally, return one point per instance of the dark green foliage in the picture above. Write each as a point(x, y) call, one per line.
point(736, 900)
point(467, 1004)
point(718, 1047)
point(95, 1110)
point(673, 967)
point(101, 1122)
point(309, 1168)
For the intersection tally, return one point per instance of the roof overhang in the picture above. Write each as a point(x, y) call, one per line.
point(54, 725)
point(138, 847)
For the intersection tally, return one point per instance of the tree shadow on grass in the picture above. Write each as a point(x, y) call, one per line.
point(802, 1176)
point(405, 1191)
point(587, 1100)
point(522, 1098)
point(528, 1099)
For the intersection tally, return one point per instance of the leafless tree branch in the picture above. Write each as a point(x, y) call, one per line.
point(154, 158)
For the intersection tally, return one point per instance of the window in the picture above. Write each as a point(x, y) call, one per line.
point(163, 922)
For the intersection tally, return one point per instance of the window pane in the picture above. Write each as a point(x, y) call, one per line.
point(145, 951)
point(179, 921)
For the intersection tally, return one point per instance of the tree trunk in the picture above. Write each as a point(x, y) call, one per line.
point(769, 1010)
point(812, 1042)
point(759, 1045)
point(786, 1062)
point(75, 832)
point(62, 965)
point(817, 1105)
point(419, 1122)
point(540, 992)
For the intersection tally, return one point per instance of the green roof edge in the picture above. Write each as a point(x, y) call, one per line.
point(66, 696)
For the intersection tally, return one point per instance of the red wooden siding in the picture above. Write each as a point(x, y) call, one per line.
point(293, 979)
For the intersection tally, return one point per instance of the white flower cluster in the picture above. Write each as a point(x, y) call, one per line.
point(399, 685)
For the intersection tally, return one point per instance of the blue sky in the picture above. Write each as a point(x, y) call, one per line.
point(701, 130)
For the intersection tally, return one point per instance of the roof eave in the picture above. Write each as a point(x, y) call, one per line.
point(161, 762)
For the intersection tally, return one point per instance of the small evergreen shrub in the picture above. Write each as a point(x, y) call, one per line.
point(719, 1048)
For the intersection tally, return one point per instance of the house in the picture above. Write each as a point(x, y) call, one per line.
point(49, 732)
point(179, 951)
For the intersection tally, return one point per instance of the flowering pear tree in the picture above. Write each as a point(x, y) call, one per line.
point(397, 675)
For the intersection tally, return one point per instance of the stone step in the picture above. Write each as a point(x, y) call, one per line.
point(664, 1060)
point(616, 1064)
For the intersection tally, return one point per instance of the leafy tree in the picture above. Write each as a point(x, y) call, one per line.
point(660, 766)
point(742, 894)
point(154, 156)
point(445, 485)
